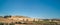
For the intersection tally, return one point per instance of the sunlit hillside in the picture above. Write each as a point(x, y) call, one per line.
point(8, 19)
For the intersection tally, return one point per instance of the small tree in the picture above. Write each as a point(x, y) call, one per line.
point(23, 19)
point(38, 20)
point(26, 19)
point(33, 20)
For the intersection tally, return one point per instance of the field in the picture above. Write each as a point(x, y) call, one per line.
point(40, 24)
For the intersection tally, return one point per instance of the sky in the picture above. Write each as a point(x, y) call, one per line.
point(44, 9)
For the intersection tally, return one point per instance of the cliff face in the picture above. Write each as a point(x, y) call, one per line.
point(5, 20)
point(16, 19)
point(22, 18)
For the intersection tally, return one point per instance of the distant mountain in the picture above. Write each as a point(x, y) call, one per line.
point(1, 16)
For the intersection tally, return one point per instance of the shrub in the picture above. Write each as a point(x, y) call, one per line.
point(1, 23)
point(11, 24)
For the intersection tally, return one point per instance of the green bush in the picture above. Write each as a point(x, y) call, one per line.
point(11, 24)
point(1, 23)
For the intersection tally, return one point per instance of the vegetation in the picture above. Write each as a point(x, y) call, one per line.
point(44, 22)
point(1, 23)
point(7, 16)
point(11, 24)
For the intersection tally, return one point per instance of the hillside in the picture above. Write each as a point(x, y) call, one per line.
point(14, 19)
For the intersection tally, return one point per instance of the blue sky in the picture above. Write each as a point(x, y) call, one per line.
point(31, 8)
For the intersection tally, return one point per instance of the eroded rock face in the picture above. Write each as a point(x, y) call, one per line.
point(17, 19)
point(22, 18)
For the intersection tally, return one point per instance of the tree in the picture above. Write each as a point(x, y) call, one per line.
point(26, 19)
point(7, 16)
point(33, 20)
